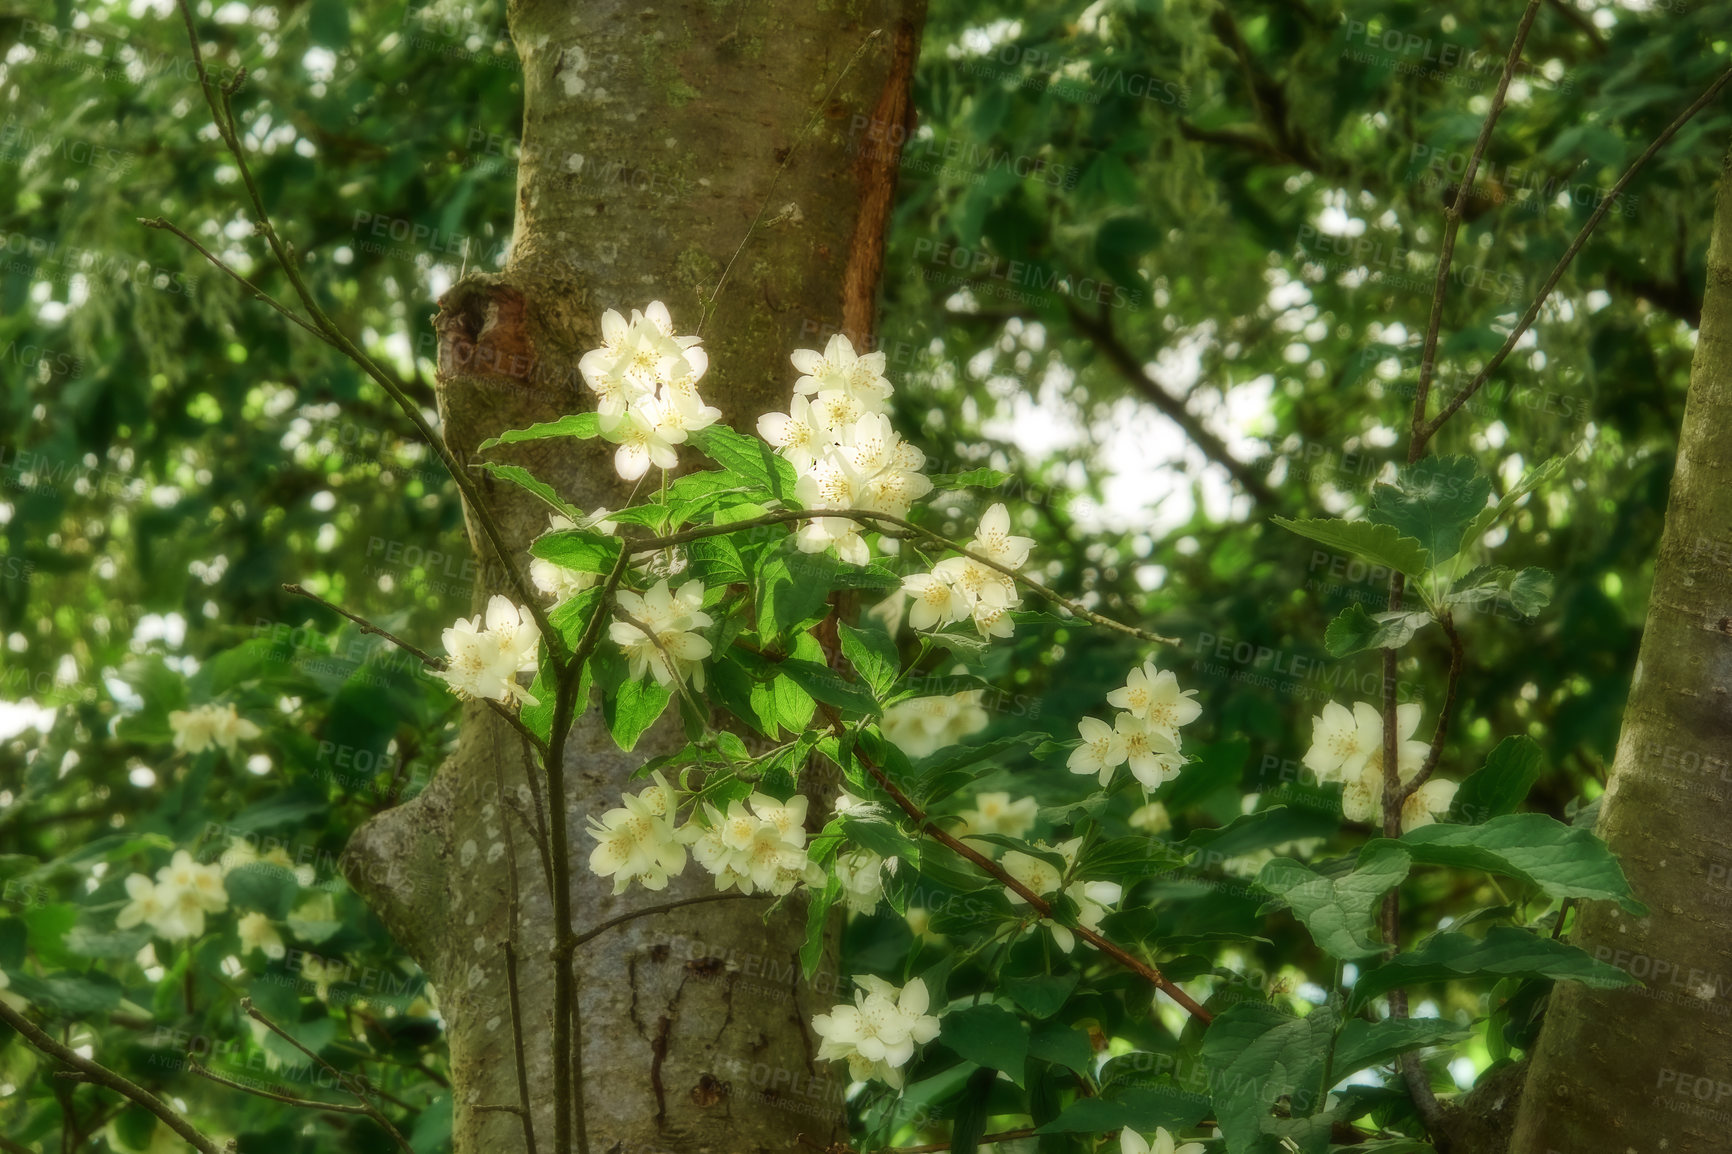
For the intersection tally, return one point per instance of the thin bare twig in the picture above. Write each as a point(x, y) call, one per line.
point(1424, 433)
point(222, 112)
point(306, 1103)
point(344, 1080)
point(649, 911)
point(509, 947)
point(96, 1072)
point(1452, 224)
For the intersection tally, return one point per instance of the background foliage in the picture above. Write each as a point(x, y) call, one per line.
point(1110, 217)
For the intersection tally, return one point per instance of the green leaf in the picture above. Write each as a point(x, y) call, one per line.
point(262, 886)
point(579, 550)
point(716, 561)
point(1063, 1046)
point(1355, 630)
point(828, 686)
point(1041, 995)
point(988, 1036)
point(1504, 952)
point(1509, 773)
point(633, 709)
point(525, 480)
point(748, 458)
point(1535, 848)
point(791, 592)
point(1337, 911)
point(1489, 516)
point(1257, 1055)
point(1527, 591)
point(71, 995)
point(580, 425)
point(1362, 1044)
point(1433, 501)
point(1382, 544)
point(817, 923)
point(972, 479)
point(873, 654)
point(1129, 858)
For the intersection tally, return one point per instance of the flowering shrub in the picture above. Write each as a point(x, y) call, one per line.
point(744, 592)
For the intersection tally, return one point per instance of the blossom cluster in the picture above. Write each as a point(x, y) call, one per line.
point(878, 1031)
point(965, 588)
point(672, 649)
point(197, 729)
point(845, 453)
point(186, 890)
point(1347, 747)
point(1042, 878)
point(556, 580)
point(484, 662)
point(921, 726)
point(645, 378)
point(1144, 735)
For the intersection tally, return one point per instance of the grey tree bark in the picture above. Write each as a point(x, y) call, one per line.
point(1650, 1069)
point(653, 139)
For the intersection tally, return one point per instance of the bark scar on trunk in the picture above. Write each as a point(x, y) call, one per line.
point(483, 333)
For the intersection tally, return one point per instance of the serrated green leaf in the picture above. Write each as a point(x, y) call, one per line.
point(748, 458)
point(1532, 480)
point(873, 654)
point(1504, 952)
point(1509, 772)
point(1355, 630)
point(633, 709)
point(988, 1036)
point(1257, 1055)
point(525, 480)
point(826, 685)
point(262, 886)
point(1382, 544)
point(1433, 501)
point(579, 550)
point(1041, 995)
point(1527, 591)
point(580, 425)
point(1561, 860)
point(1338, 911)
point(1362, 1044)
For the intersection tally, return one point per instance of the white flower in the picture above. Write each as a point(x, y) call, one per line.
point(996, 813)
point(676, 650)
point(839, 370)
point(1152, 818)
point(556, 580)
point(1092, 900)
point(257, 933)
point(796, 433)
point(1356, 758)
point(638, 357)
point(313, 918)
point(638, 841)
point(1130, 1142)
point(1037, 875)
point(197, 729)
point(646, 435)
point(1344, 743)
point(1154, 696)
point(176, 904)
point(877, 1033)
point(993, 539)
point(861, 873)
point(762, 847)
point(936, 603)
point(1151, 752)
point(865, 466)
point(924, 725)
point(1102, 750)
point(484, 663)
point(976, 583)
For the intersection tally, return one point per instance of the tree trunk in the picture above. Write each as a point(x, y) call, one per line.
point(654, 138)
point(1649, 1069)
